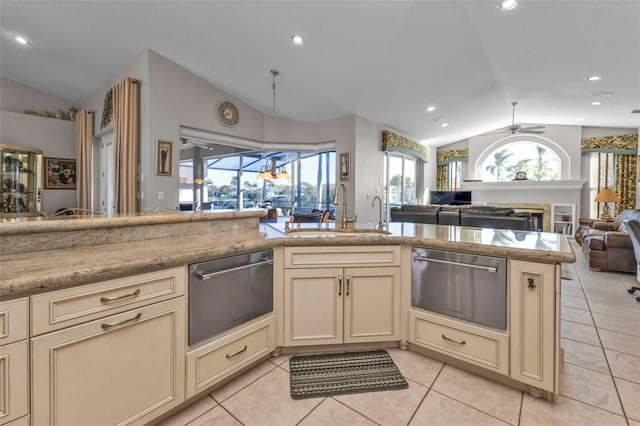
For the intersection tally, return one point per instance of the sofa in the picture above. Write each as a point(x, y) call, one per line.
point(468, 215)
point(607, 245)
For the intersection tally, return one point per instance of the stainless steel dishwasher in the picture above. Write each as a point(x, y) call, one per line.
point(227, 292)
point(465, 286)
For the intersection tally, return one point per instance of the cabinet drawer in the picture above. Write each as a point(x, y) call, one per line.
point(14, 379)
point(63, 308)
point(472, 344)
point(211, 363)
point(310, 257)
point(124, 369)
point(14, 320)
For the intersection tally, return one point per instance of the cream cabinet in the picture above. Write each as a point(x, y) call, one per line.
point(217, 360)
point(124, 366)
point(335, 295)
point(535, 322)
point(476, 345)
point(14, 360)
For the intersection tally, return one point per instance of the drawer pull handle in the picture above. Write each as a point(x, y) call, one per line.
point(339, 285)
point(460, 342)
point(108, 326)
point(115, 299)
point(237, 353)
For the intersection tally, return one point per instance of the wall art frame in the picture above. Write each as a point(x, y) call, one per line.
point(164, 157)
point(60, 173)
point(345, 166)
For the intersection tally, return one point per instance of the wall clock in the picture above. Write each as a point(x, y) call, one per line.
point(227, 114)
point(521, 176)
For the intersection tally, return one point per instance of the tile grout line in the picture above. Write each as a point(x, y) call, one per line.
point(606, 358)
point(426, 393)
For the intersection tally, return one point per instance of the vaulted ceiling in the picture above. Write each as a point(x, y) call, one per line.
point(386, 61)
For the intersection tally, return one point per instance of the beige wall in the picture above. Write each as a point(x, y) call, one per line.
point(56, 138)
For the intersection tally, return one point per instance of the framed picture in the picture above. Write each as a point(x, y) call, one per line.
point(61, 173)
point(345, 166)
point(164, 158)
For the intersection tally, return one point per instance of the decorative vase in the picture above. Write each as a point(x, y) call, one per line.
point(72, 113)
point(60, 115)
point(46, 114)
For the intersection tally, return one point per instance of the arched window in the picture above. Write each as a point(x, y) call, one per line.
point(538, 161)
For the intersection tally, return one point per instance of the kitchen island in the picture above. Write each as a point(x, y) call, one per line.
point(136, 268)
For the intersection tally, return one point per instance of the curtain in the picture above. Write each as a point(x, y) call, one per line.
point(394, 142)
point(126, 124)
point(624, 147)
point(626, 181)
point(84, 158)
point(442, 177)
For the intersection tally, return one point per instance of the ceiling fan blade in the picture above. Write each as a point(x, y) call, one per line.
point(496, 132)
point(532, 132)
point(533, 128)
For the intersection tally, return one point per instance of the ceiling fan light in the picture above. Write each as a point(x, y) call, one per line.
point(507, 4)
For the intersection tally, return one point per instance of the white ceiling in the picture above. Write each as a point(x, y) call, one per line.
point(385, 61)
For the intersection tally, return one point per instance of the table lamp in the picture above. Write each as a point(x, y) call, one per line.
point(606, 196)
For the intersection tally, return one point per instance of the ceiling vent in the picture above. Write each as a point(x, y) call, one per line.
point(635, 111)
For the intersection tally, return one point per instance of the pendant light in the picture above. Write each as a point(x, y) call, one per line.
point(271, 172)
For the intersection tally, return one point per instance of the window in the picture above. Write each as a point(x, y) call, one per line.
point(454, 179)
point(229, 181)
point(401, 180)
point(601, 175)
point(539, 162)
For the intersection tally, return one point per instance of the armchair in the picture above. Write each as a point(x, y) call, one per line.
point(607, 245)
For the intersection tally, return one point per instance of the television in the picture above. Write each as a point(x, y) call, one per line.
point(454, 198)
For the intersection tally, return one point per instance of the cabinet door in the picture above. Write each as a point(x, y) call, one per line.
point(122, 369)
point(14, 380)
point(372, 304)
point(313, 306)
point(533, 316)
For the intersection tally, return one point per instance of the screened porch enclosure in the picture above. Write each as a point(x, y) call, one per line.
point(212, 181)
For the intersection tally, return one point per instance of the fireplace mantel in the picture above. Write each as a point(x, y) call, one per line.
point(525, 185)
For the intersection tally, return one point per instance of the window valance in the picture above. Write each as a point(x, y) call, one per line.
point(451, 155)
point(622, 144)
point(394, 142)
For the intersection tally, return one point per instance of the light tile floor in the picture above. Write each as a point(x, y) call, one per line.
point(600, 382)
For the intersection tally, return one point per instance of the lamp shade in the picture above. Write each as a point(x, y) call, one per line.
point(606, 196)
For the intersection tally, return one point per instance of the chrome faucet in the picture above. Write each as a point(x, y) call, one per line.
point(344, 203)
point(380, 224)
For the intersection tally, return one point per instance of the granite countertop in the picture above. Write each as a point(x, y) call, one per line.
point(24, 274)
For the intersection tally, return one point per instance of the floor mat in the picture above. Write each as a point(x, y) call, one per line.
point(313, 376)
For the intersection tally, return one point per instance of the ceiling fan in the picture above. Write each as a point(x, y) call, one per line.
point(515, 129)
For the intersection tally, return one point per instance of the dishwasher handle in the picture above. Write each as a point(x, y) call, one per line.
point(206, 275)
point(449, 262)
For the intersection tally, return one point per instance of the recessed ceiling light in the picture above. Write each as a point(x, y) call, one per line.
point(507, 4)
point(596, 103)
point(297, 40)
point(593, 78)
point(444, 125)
point(431, 108)
point(19, 39)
